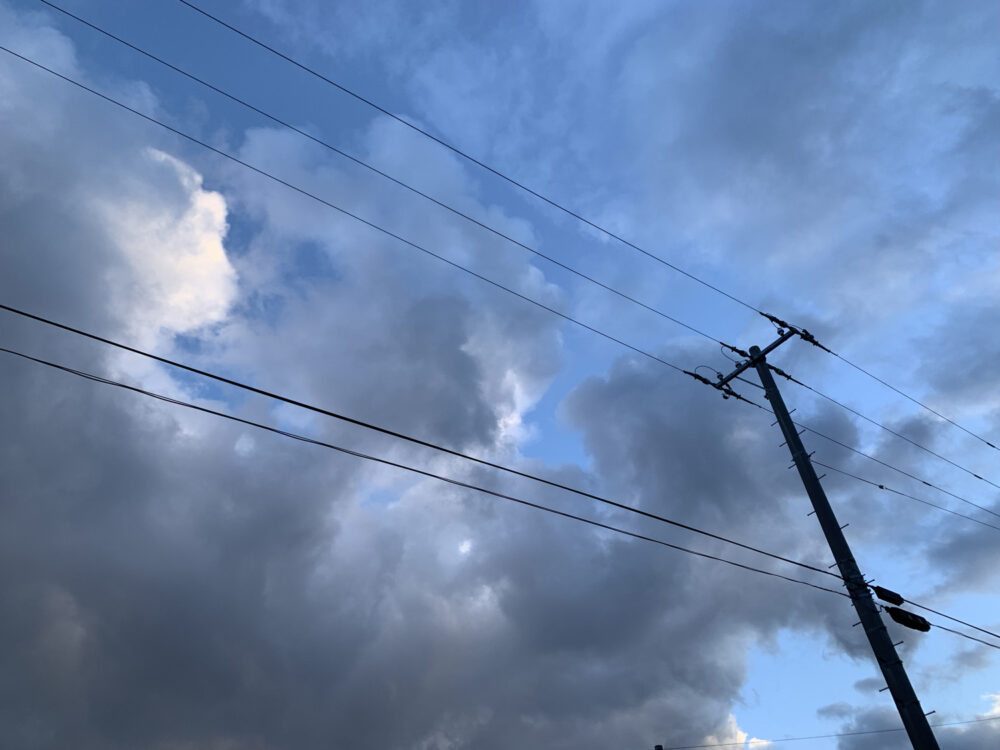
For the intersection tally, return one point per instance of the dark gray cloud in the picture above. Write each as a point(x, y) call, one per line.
point(171, 581)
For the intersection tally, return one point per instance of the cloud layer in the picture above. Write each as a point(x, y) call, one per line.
point(173, 581)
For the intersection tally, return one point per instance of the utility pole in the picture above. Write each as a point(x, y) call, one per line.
point(914, 719)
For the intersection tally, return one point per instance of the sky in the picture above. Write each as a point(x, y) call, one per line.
point(171, 580)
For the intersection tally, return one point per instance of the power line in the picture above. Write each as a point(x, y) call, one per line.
point(413, 469)
point(465, 155)
point(549, 201)
point(953, 619)
point(361, 162)
point(495, 231)
point(966, 635)
point(416, 441)
point(903, 494)
point(174, 130)
point(870, 457)
point(478, 488)
point(822, 736)
point(345, 212)
point(919, 403)
point(886, 428)
point(439, 477)
point(408, 438)
point(898, 470)
point(401, 239)
point(432, 254)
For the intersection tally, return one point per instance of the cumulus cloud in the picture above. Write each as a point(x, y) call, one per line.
point(173, 581)
point(179, 277)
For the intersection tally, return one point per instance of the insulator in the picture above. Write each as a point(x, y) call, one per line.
point(908, 619)
point(887, 595)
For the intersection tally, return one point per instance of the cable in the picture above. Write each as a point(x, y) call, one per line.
point(385, 175)
point(414, 245)
point(466, 156)
point(903, 494)
point(549, 201)
point(422, 249)
point(462, 484)
point(921, 404)
point(413, 469)
point(345, 212)
point(888, 429)
point(965, 635)
point(896, 469)
point(486, 227)
point(307, 406)
point(870, 457)
point(953, 619)
point(411, 439)
point(478, 488)
point(823, 736)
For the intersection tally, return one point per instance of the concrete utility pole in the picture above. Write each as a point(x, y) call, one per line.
point(914, 719)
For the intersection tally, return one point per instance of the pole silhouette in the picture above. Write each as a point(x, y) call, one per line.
point(914, 720)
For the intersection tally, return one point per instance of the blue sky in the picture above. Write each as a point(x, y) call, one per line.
point(831, 164)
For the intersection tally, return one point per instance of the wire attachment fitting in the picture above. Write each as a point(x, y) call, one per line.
point(802, 333)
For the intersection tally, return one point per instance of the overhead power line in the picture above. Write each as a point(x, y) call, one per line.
point(919, 403)
point(888, 429)
point(372, 225)
point(545, 199)
point(870, 457)
point(953, 619)
point(450, 480)
point(408, 438)
point(559, 264)
point(375, 170)
point(887, 488)
point(898, 470)
point(466, 156)
point(416, 470)
point(820, 736)
point(432, 254)
point(965, 635)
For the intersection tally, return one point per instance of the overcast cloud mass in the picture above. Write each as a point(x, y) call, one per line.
point(171, 581)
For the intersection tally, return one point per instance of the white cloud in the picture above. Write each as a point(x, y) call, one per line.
point(179, 276)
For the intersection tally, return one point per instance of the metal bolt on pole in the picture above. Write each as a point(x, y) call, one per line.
point(914, 720)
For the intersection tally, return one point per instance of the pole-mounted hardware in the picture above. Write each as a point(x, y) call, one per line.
point(897, 682)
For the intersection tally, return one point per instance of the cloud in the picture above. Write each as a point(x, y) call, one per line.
point(966, 737)
point(177, 265)
point(173, 581)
